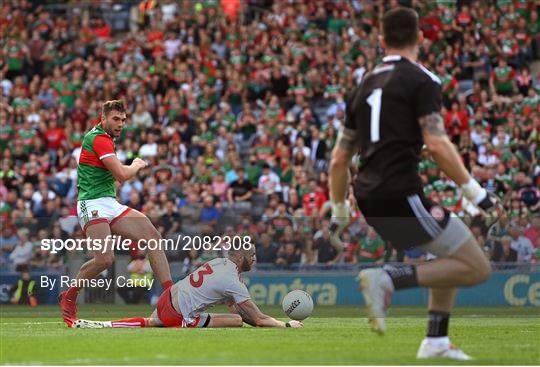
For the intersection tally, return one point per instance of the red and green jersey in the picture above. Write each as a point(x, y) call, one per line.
point(510, 46)
point(369, 20)
point(264, 152)
point(27, 137)
point(66, 92)
point(298, 89)
point(449, 84)
point(522, 36)
point(533, 27)
point(529, 105)
point(332, 89)
point(523, 8)
point(371, 250)
point(15, 57)
point(94, 179)
point(503, 78)
point(6, 134)
point(76, 138)
point(206, 102)
point(337, 24)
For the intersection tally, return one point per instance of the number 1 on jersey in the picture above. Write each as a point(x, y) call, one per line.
point(374, 101)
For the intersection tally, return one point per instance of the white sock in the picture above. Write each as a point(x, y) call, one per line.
point(439, 341)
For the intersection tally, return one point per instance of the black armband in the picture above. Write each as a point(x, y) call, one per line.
point(287, 324)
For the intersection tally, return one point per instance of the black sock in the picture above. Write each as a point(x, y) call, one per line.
point(403, 276)
point(437, 324)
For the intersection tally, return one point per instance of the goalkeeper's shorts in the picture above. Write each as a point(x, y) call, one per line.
point(415, 222)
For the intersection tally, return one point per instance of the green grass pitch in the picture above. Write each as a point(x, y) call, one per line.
point(333, 335)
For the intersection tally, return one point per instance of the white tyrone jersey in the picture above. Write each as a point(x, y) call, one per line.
point(216, 281)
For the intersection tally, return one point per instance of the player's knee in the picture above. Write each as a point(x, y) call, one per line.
point(483, 271)
point(105, 261)
point(479, 272)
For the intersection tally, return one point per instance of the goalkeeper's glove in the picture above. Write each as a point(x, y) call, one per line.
point(487, 203)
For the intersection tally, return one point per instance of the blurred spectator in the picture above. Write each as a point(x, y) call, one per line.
point(503, 251)
point(371, 247)
point(521, 244)
point(268, 181)
point(209, 216)
point(288, 254)
point(351, 249)
point(266, 249)
point(23, 251)
point(141, 275)
point(24, 290)
point(240, 191)
point(8, 242)
point(533, 232)
point(190, 212)
point(170, 220)
point(326, 252)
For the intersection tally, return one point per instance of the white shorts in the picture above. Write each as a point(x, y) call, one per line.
point(102, 210)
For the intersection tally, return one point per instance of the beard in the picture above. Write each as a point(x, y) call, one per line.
point(246, 266)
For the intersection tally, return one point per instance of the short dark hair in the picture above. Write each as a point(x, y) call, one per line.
point(400, 28)
point(114, 105)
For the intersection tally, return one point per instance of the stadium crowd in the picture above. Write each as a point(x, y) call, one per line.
point(237, 108)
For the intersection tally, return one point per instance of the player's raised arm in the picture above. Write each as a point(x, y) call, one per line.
point(251, 314)
point(122, 172)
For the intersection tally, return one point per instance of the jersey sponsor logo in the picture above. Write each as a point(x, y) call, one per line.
point(437, 212)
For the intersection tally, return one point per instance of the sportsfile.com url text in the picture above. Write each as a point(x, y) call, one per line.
point(118, 243)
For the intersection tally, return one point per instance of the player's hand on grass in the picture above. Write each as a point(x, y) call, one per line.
point(139, 163)
point(295, 324)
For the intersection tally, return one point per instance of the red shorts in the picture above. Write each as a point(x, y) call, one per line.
point(168, 315)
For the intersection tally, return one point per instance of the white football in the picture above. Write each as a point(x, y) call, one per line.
point(298, 305)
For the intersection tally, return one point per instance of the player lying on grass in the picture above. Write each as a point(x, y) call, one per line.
point(185, 303)
point(99, 213)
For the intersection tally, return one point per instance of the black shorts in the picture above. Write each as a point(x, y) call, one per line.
point(405, 222)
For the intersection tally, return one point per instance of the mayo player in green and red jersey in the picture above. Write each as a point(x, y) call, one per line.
point(98, 211)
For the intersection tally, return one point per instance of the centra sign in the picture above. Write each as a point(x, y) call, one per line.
point(521, 290)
